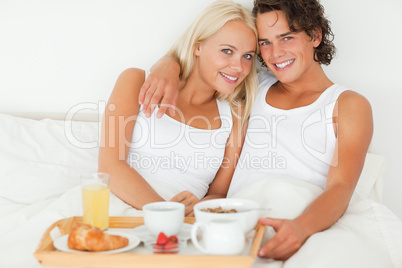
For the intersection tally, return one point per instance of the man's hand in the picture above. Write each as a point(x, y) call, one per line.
point(158, 91)
point(187, 199)
point(287, 241)
point(161, 87)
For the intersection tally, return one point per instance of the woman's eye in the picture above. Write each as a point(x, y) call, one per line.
point(227, 51)
point(248, 56)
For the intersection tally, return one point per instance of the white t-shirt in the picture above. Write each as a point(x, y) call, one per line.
point(176, 155)
point(298, 142)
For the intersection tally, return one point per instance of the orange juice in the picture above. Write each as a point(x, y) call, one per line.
point(95, 201)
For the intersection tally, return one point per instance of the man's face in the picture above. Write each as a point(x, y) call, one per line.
point(288, 55)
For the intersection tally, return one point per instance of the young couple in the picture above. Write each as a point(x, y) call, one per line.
point(208, 88)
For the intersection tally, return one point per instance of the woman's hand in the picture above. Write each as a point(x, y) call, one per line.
point(288, 239)
point(187, 199)
point(161, 87)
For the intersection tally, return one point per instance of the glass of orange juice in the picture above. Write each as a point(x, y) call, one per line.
point(95, 199)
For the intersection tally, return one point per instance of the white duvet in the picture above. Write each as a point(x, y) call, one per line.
point(367, 235)
point(40, 167)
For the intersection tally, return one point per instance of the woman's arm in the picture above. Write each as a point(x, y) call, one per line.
point(354, 130)
point(161, 86)
point(117, 128)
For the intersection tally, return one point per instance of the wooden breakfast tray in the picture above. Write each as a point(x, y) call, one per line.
point(48, 255)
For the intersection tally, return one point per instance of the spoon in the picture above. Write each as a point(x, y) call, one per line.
point(253, 209)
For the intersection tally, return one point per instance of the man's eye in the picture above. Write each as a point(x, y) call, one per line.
point(287, 38)
point(227, 51)
point(264, 43)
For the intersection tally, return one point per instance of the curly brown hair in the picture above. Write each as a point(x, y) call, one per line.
point(303, 15)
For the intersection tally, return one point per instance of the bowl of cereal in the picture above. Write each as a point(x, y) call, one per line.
point(245, 211)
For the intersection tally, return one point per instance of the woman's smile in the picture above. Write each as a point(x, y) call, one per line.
point(229, 78)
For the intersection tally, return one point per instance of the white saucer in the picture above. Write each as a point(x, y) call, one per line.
point(143, 234)
point(133, 241)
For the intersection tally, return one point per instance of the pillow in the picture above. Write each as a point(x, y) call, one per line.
point(370, 184)
point(43, 159)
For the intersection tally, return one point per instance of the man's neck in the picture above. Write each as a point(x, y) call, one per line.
point(314, 80)
point(299, 93)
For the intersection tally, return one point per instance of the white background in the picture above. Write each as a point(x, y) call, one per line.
point(57, 54)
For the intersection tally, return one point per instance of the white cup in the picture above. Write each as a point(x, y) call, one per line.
point(219, 237)
point(166, 217)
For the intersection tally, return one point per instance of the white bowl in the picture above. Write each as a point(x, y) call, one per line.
point(247, 218)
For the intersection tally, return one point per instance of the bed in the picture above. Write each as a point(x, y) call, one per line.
point(64, 56)
point(39, 184)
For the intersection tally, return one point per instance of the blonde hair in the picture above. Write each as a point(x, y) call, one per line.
point(210, 21)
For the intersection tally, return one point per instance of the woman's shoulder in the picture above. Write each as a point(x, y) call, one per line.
point(130, 81)
point(128, 85)
point(132, 73)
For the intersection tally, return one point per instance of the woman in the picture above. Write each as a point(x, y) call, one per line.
point(192, 151)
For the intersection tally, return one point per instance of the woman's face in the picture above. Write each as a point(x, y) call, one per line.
point(225, 59)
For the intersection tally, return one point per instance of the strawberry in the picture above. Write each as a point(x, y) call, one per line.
point(162, 239)
point(173, 239)
point(171, 245)
point(166, 244)
point(159, 247)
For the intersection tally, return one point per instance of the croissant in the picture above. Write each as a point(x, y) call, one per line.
point(86, 237)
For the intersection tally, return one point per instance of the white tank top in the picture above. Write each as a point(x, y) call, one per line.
point(176, 155)
point(298, 142)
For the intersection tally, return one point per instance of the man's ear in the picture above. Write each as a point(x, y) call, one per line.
point(317, 38)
